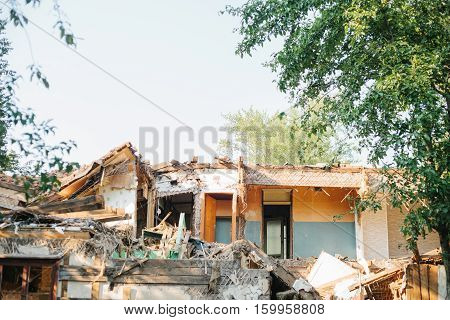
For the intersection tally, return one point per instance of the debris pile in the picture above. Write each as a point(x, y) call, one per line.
point(61, 235)
point(339, 278)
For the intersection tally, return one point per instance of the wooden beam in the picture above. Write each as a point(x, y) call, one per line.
point(234, 216)
point(25, 281)
point(12, 187)
point(54, 281)
point(99, 215)
point(44, 234)
point(1, 277)
point(149, 279)
point(95, 290)
point(151, 207)
point(201, 232)
point(87, 203)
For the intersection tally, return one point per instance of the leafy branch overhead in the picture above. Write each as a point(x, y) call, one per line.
point(381, 69)
point(25, 151)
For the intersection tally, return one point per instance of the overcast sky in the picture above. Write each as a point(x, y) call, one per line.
point(179, 54)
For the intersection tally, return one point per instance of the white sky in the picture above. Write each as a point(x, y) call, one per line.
point(180, 54)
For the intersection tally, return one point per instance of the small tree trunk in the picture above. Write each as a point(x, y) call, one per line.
point(445, 246)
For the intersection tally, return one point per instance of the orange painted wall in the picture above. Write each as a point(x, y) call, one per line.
point(253, 211)
point(309, 205)
point(224, 208)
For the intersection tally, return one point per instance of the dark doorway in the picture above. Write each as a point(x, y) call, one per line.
point(176, 204)
point(277, 229)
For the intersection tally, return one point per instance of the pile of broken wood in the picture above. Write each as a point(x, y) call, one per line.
point(166, 241)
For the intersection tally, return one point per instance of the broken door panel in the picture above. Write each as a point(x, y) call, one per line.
point(210, 218)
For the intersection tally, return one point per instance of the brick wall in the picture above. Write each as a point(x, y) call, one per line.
point(374, 234)
point(397, 242)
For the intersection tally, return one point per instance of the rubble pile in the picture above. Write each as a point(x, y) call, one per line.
point(95, 239)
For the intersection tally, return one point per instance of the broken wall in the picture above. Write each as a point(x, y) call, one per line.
point(321, 220)
point(163, 279)
point(198, 182)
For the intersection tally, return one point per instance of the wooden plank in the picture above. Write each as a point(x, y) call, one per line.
point(201, 232)
point(147, 279)
point(424, 271)
point(34, 262)
point(64, 285)
point(65, 277)
point(234, 216)
point(126, 293)
point(98, 215)
point(166, 263)
point(189, 271)
point(433, 282)
point(409, 283)
point(87, 203)
point(95, 292)
point(77, 272)
point(36, 233)
point(25, 282)
point(54, 282)
point(12, 187)
point(184, 245)
point(416, 286)
point(1, 277)
point(151, 203)
point(375, 278)
point(210, 218)
point(285, 276)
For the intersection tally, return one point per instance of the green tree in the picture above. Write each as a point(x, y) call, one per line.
point(275, 139)
point(24, 150)
point(382, 70)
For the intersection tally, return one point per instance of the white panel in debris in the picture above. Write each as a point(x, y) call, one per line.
point(79, 290)
point(80, 260)
point(106, 294)
point(119, 198)
point(160, 292)
point(327, 269)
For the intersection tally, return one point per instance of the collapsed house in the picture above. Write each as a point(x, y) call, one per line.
point(289, 211)
point(120, 228)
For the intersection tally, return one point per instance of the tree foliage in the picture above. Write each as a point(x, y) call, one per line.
point(382, 70)
point(278, 139)
point(24, 149)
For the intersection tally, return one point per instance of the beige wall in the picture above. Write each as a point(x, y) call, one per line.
point(374, 234)
point(381, 237)
point(397, 242)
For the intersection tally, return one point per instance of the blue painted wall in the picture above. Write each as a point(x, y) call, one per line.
point(310, 238)
point(252, 232)
point(223, 230)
